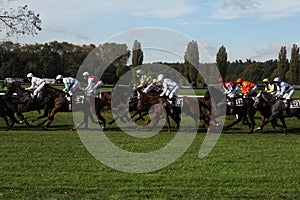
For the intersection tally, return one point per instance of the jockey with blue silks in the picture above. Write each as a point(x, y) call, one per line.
point(284, 90)
point(270, 87)
point(143, 79)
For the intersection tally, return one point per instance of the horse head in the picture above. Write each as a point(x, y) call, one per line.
point(258, 100)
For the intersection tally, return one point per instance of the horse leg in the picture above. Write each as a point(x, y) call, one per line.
point(84, 121)
point(23, 119)
point(271, 118)
point(53, 112)
point(9, 126)
point(46, 111)
point(168, 124)
point(142, 115)
point(252, 121)
point(283, 124)
point(176, 118)
point(240, 117)
point(101, 119)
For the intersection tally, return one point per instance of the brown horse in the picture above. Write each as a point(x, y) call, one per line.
point(55, 101)
point(190, 106)
point(146, 100)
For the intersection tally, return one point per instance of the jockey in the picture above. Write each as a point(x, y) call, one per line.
point(248, 88)
point(270, 87)
point(170, 88)
point(143, 79)
point(285, 90)
point(152, 87)
point(71, 84)
point(36, 83)
point(230, 88)
point(93, 83)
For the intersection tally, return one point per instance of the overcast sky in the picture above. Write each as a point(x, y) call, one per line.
point(249, 29)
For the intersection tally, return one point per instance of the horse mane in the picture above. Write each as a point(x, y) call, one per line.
point(53, 88)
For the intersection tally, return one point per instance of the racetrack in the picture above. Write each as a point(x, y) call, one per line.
point(54, 164)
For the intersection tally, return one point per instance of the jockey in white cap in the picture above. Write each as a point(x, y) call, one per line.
point(36, 83)
point(71, 84)
point(170, 87)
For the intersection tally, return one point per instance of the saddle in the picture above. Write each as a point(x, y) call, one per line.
point(176, 102)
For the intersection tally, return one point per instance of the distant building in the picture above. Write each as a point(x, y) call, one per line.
point(10, 80)
point(50, 80)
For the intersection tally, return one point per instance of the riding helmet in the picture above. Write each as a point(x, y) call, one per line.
point(85, 74)
point(239, 80)
point(160, 77)
point(139, 71)
point(58, 77)
point(277, 80)
point(266, 80)
point(29, 75)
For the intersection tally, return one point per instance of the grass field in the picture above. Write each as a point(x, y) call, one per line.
point(54, 164)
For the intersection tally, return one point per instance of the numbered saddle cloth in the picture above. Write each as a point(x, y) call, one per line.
point(295, 104)
point(78, 99)
point(239, 101)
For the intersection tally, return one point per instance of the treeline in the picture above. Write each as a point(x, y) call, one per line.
point(49, 59)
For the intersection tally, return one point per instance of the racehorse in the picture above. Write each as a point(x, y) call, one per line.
point(19, 103)
point(57, 102)
point(278, 109)
point(6, 113)
point(242, 108)
point(188, 105)
point(146, 100)
point(24, 96)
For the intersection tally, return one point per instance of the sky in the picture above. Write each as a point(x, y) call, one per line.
point(248, 29)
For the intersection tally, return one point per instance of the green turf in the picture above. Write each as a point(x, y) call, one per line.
point(54, 164)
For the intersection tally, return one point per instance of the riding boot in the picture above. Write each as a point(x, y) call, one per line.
point(232, 105)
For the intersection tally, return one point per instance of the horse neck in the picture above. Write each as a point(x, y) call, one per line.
point(17, 89)
point(269, 99)
point(152, 98)
point(53, 92)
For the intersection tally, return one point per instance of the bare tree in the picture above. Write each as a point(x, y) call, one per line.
point(20, 21)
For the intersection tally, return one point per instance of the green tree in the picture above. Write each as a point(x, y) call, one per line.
point(221, 60)
point(137, 54)
point(283, 63)
point(20, 21)
point(292, 75)
point(191, 61)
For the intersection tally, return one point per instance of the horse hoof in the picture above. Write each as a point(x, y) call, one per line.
point(258, 129)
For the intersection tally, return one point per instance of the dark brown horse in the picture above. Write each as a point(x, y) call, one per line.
point(242, 108)
point(278, 109)
point(18, 100)
point(6, 111)
point(92, 106)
